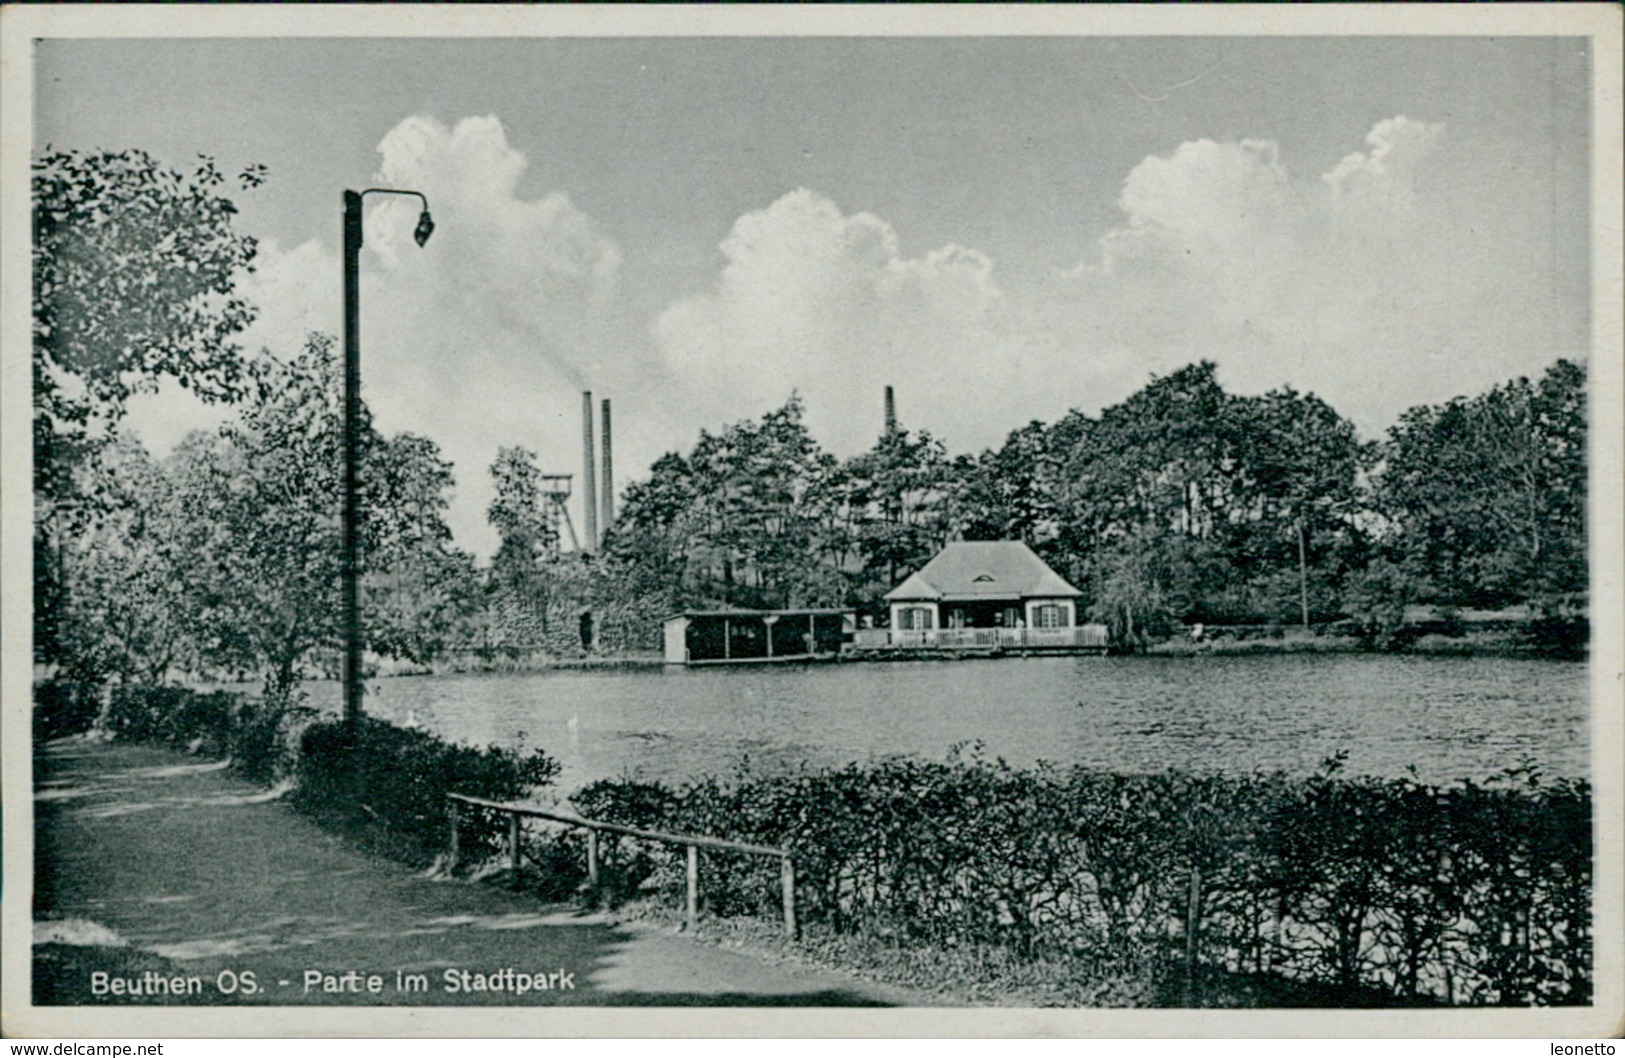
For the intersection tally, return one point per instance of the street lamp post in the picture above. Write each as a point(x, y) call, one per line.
point(350, 561)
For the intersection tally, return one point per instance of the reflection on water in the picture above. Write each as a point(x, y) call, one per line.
point(1448, 718)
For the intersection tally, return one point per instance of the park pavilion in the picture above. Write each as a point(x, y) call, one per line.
point(991, 596)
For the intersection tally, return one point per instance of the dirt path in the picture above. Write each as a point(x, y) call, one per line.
point(156, 871)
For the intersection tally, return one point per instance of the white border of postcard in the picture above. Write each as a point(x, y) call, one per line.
point(21, 24)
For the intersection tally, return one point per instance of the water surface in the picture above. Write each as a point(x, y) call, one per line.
point(1446, 718)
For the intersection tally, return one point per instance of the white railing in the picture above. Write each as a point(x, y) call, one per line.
point(871, 639)
point(969, 638)
point(1082, 636)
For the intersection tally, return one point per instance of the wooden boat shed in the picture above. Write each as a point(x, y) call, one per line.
point(734, 637)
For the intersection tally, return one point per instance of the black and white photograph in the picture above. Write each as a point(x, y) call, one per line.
point(832, 521)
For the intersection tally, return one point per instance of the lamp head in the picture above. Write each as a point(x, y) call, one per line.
point(424, 229)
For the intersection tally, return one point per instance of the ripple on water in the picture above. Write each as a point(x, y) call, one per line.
point(1449, 718)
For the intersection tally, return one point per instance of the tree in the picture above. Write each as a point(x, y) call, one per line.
point(654, 537)
point(761, 495)
point(1163, 470)
point(1130, 595)
point(1558, 417)
point(1164, 460)
point(1301, 463)
point(1231, 492)
point(134, 270)
point(1487, 494)
point(752, 515)
point(118, 611)
point(897, 493)
point(518, 589)
point(261, 500)
point(420, 590)
point(260, 504)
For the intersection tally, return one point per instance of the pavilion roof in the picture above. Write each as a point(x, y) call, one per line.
point(986, 569)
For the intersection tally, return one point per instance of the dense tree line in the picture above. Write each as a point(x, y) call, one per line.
point(1182, 503)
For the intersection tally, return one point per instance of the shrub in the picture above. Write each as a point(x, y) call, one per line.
point(63, 708)
point(1376, 599)
point(174, 716)
point(391, 779)
point(255, 733)
point(397, 779)
point(1560, 637)
point(266, 738)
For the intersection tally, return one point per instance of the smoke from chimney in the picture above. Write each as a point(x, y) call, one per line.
point(608, 518)
point(589, 492)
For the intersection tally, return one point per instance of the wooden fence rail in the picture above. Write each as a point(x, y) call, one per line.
point(694, 842)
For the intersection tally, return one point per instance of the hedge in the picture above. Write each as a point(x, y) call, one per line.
point(63, 708)
point(1366, 891)
point(399, 778)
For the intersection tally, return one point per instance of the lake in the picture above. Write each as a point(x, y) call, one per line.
point(1449, 718)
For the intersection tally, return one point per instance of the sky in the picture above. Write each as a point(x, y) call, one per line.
point(1002, 229)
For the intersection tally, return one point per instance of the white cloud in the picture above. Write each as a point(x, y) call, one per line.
point(1398, 147)
point(486, 336)
point(1413, 271)
point(826, 303)
point(505, 281)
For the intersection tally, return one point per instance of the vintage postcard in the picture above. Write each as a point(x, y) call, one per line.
point(926, 521)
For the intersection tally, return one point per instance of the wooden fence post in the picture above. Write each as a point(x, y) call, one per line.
point(451, 860)
point(1278, 940)
point(513, 842)
point(592, 857)
point(693, 886)
point(1193, 928)
point(787, 880)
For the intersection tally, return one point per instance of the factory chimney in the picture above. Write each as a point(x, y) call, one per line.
point(589, 492)
point(891, 413)
point(608, 519)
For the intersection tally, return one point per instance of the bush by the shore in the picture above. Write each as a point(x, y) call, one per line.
point(1356, 891)
point(374, 773)
point(1552, 638)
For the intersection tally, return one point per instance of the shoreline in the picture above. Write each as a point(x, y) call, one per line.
point(1496, 638)
point(1429, 646)
point(1487, 645)
point(518, 665)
